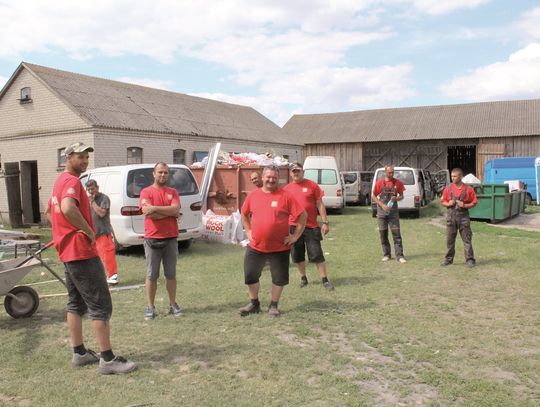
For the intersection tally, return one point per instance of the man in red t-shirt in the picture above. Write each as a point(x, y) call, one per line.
point(265, 216)
point(309, 196)
point(74, 238)
point(160, 206)
point(458, 198)
point(386, 194)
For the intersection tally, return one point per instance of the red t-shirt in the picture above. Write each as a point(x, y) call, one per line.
point(470, 195)
point(160, 228)
point(400, 188)
point(307, 193)
point(70, 242)
point(269, 213)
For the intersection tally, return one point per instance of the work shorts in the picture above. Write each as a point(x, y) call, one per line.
point(310, 241)
point(87, 289)
point(254, 262)
point(166, 254)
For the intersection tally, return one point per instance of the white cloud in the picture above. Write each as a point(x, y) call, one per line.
point(516, 78)
point(528, 24)
point(327, 89)
point(292, 53)
point(438, 7)
point(149, 82)
point(3, 80)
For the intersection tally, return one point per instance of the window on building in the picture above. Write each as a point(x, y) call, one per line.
point(26, 95)
point(198, 156)
point(61, 157)
point(179, 156)
point(134, 155)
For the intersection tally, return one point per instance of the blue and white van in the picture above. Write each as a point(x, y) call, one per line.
point(524, 169)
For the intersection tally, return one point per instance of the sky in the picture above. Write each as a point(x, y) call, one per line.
point(288, 57)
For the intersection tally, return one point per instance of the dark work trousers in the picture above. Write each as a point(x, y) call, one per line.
point(390, 220)
point(458, 220)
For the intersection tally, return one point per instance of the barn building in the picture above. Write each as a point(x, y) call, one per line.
point(431, 137)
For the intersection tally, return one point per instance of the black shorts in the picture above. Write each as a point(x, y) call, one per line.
point(87, 289)
point(254, 262)
point(310, 241)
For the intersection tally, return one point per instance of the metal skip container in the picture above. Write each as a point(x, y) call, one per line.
point(496, 203)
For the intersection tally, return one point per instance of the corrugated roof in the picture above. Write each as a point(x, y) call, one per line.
point(473, 120)
point(118, 105)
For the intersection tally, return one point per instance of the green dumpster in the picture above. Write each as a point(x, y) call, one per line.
point(496, 204)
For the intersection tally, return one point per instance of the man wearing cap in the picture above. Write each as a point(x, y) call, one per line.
point(74, 239)
point(387, 192)
point(100, 204)
point(309, 195)
point(265, 216)
point(160, 205)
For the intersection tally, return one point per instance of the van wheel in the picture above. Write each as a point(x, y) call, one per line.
point(416, 214)
point(373, 213)
point(528, 200)
point(184, 244)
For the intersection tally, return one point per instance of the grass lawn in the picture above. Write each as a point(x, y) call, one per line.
point(390, 334)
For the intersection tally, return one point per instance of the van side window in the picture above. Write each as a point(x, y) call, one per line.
point(349, 178)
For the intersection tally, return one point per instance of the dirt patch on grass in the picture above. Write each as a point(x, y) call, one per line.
point(373, 372)
point(529, 221)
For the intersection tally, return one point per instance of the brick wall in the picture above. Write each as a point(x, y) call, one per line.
point(47, 113)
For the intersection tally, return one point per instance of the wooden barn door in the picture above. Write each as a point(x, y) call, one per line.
point(486, 152)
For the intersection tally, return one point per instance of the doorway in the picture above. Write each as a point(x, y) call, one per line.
point(30, 192)
point(463, 157)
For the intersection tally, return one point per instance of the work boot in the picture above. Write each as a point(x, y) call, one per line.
point(116, 366)
point(273, 311)
point(89, 358)
point(250, 309)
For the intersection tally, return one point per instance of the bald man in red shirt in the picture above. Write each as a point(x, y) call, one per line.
point(265, 216)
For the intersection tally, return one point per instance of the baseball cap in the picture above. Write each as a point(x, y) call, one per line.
point(78, 147)
point(296, 166)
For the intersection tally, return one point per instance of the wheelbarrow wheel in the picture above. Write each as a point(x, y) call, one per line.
point(21, 302)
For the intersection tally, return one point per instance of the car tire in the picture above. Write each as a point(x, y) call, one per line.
point(184, 244)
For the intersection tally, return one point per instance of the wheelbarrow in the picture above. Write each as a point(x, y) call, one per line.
point(21, 301)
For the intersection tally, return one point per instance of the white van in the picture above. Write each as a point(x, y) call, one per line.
point(123, 184)
point(417, 192)
point(324, 171)
point(357, 187)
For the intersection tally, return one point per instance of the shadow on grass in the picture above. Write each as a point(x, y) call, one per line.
point(355, 280)
point(29, 328)
point(337, 307)
point(185, 353)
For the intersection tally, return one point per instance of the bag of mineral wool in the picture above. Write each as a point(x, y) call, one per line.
point(217, 228)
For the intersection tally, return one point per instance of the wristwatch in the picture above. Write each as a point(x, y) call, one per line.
point(325, 222)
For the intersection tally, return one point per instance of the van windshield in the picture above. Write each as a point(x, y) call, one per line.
point(405, 176)
point(180, 179)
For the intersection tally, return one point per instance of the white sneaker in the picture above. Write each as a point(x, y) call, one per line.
point(402, 260)
point(386, 258)
point(113, 280)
